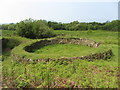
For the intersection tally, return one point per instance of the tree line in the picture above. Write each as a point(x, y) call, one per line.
point(79, 26)
point(72, 26)
point(43, 29)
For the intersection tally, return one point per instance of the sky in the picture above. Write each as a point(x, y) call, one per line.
point(12, 11)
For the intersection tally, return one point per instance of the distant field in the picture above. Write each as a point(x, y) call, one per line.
point(57, 74)
point(97, 35)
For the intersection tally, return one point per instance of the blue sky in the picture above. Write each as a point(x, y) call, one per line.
point(89, 11)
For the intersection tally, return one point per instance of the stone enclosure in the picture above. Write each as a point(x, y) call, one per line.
point(78, 41)
point(104, 55)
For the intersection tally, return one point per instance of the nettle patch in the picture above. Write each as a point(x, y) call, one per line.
point(95, 51)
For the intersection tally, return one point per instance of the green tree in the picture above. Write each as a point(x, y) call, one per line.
point(11, 26)
point(34, 29)
point(112, 26)
point(55, 25)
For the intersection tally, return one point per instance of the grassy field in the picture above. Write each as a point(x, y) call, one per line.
point(67, 50)
point(62, 74)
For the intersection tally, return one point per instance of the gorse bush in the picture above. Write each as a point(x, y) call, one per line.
point(34, 29)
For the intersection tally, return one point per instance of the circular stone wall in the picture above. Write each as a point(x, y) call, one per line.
point(79, 41)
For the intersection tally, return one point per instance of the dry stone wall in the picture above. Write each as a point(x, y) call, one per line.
point(97, 56)
point(78, 41)
point(104, 55)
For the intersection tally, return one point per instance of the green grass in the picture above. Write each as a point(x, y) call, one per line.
point(59, 74)
point(97, 74)
point(97, 35)
point(8, 32)
point(65, 50)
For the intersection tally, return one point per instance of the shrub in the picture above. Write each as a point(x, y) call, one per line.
point(34, 29)
point(112, 26)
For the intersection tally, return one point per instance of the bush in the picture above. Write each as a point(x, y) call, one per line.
point(34, 29)
point(112, 26)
